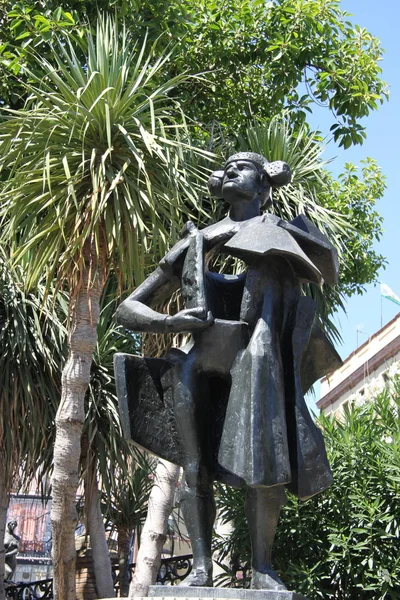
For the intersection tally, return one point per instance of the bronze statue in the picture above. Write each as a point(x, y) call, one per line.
point(230, 405)
point(11, 547)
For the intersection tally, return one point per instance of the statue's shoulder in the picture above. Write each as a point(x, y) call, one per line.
point(218, 234)
point(299, 240)
point(316, 245)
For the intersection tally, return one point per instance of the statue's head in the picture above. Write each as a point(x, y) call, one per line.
point(12, 525)
point(247, 176)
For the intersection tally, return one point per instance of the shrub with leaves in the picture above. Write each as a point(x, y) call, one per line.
point(345, 543)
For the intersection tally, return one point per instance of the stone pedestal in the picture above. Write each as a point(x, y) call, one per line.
point(180, 593)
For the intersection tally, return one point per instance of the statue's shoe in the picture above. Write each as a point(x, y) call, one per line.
point(267, 581)
point(197, 578)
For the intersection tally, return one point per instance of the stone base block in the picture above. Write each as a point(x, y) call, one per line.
point(180, 593)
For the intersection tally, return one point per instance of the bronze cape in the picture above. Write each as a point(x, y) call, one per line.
point(261, 355)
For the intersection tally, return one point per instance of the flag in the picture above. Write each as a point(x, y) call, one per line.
point(388, 293)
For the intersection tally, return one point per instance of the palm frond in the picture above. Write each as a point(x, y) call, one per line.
point(32, 351)
point(100, 153)
point(277, 140)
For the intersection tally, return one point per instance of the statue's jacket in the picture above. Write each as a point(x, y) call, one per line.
point(257, 428)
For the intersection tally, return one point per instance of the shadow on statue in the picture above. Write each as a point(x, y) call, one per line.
point(229, 406)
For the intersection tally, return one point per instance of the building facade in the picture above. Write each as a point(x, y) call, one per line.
point(364, 372)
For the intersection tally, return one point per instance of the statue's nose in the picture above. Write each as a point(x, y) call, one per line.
point(231, 171)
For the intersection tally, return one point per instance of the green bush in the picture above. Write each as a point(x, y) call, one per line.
point(344, 543)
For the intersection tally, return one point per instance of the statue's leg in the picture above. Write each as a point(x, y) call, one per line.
point(197, 496)
point(263, 506)
point(198, 509)
point(7, 572)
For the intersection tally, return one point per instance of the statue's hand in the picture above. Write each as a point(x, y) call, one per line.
point(186, 321)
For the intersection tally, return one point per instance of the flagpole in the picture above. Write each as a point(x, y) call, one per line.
point(381, 313)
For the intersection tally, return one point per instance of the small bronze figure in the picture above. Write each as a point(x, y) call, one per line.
point(230, 406)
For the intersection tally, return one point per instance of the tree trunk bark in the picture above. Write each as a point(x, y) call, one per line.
point(98, 542)
point(4, 500)
point(69, 421)
point(154, 531)
point(124, 546)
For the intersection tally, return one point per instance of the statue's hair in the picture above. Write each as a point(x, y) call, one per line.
point(257, 159)
point(276, 173)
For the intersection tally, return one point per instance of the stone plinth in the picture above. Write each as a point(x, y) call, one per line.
point(172, 592)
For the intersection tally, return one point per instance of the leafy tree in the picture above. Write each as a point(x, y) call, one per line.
point(155, 528)
point(343, 544)
point(124, 474)
point(96, 176)
point(259, 56)
point(126, 508)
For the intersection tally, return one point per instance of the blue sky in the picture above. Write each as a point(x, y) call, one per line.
point(382, 143)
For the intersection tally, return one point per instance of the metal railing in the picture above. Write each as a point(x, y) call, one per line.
point(172, 571)
point(36, 590)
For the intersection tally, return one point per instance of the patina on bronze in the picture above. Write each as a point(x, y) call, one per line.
point(230, 405)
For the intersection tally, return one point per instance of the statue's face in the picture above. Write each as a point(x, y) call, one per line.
point(242, 180)
point(12, 525)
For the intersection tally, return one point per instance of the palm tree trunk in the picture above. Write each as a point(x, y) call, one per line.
point(154, 531)
point(4, 500)
point(98, 542)
point(69, 422)
point(124, 546)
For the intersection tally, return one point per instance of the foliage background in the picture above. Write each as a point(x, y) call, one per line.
point(259, 59)
point(345, 543)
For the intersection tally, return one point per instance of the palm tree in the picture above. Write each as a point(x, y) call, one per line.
point(32, 350)
point(97, 177)
point(108, 462)
point(154, 532)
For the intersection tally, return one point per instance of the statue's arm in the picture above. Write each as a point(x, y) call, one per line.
point(135, 313)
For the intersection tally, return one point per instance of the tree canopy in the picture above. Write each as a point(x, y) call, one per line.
point(258, 56)
point(98, 155)
point(258, 59)
point(32, 349)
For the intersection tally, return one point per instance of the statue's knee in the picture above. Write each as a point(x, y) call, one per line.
point(270, 495)
point(184, 388)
